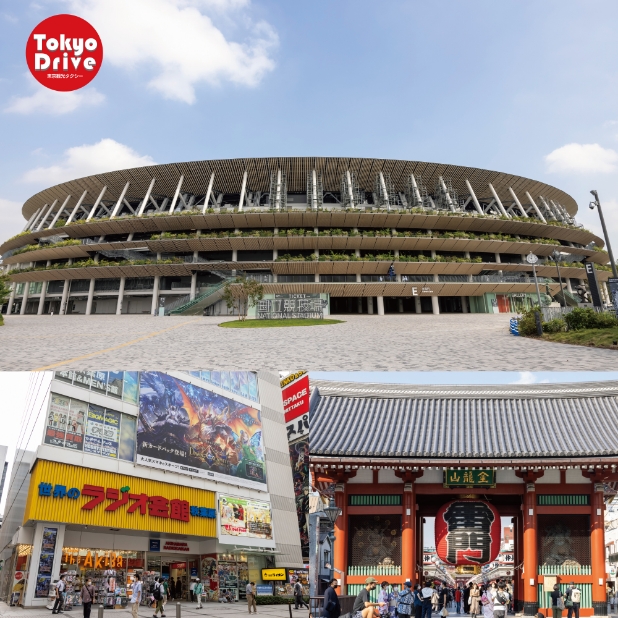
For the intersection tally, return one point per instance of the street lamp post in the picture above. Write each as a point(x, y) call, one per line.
point(556, 257)
point(597, 203)
point(532, 259)
point(332, 512)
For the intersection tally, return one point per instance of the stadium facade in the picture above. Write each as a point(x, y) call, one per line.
point(370, 235)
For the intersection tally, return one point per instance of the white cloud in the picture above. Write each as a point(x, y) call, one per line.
point(11, 219)
point(175, 45)
point(86, 160)
point(582, 159)
point(46, 101)
point(525, 377)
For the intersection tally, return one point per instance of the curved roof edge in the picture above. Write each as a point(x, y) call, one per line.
point(229, 174)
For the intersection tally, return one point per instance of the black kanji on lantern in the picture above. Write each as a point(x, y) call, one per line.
point(469, 526)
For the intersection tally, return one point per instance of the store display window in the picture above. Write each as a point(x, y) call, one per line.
point(111, 572)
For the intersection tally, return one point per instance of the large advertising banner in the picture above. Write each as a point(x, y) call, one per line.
point(191, 430)
point(299, 457)
point(240, 517)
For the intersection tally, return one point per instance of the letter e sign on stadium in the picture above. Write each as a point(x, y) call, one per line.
point(64, 52)
point(296, 399)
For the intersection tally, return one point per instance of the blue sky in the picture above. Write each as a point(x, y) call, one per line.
point(501, 85)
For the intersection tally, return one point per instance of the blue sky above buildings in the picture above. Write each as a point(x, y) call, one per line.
point(519, 86)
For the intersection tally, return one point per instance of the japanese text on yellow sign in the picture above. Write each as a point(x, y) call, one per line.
point(469, 478)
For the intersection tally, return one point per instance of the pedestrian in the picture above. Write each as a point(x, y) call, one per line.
point(331, 608)
point(418, 601)
point(59, 602)
point(363, 607)
point(136, 594)
point(475, 601)
point(501, 601)
point(383, 597)
point(442, 599)
point(171, 588)
point(487, 600)
point(557, 602)
point(393, 600)
point(573, 600)
point(87, 596)
point(197, 591)
point(157, 593)
point(298, 596)
point(435, 600)
point(458, 596)
point(466, 595)
point(166, 591)
point(250, 591)
point(427, 596)
point(192, 590)
point(405, 601)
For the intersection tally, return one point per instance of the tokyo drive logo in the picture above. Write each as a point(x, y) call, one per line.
point(64, 52)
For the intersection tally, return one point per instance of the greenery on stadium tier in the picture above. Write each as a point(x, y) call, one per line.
point(279, 323)
point(582, 326)
point(4, 293)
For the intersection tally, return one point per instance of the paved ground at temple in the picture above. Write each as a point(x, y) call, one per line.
point(469, 342)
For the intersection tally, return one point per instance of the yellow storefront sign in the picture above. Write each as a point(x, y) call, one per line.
point(273, 574)
point(75, 495)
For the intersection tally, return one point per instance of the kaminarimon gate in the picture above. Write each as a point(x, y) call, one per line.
point(543, 456)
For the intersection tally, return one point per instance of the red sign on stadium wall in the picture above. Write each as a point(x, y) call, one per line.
point(64, 52)
point(296, 399)
point(468, 532)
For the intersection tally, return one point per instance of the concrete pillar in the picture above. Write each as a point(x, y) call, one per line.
point(193, 286)
point(359, 303)
point(435, 305)
point(90, 297)
point(464, 304)
point(9, 308)
point(568, 284)
point(417, 304)
point(357, 252)
point(400, 305)
point(498, 261)
point(316, 277)
point(275, 254)
point(65, 296)
point(433, 253)
point(370, 305)
point(120, 296)
point(154, 308)
point(24, 300)
point(380, 300)
point(358, 278)
point(42, 298)
point(234, 255)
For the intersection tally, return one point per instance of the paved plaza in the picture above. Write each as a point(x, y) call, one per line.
point(409, 342)
point(188, 610)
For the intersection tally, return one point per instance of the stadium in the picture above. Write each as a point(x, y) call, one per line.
point(364, 235)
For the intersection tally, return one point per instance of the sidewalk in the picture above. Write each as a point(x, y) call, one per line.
point(214, 610)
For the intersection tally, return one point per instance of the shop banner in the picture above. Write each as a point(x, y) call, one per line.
point(246, 518)
point(46, 562)
point(296, 399)
point(613, 292)
point(299, 458)
point(57, 420)
point(264, 590)
point(188, 429)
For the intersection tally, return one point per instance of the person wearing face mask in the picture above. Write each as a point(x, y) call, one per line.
point(87, 595)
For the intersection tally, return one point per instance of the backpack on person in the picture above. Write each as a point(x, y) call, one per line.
point(576, 595)
point(502, 597)
point(157, 592)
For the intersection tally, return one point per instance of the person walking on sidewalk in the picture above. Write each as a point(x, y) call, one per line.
point(198, 591)
point(166, 590)
point(158, 597)
point(59, 602)
point(136, 594)
point(250, 592)
point(458, 600)
point(298, 596)
point(87, 595)
point(331, 606)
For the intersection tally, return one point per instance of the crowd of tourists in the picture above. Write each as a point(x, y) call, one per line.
point(488, 600)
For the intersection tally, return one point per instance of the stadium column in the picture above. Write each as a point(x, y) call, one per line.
point(120, 296)
point(65, 296)
point(417, 304)
point(340, 553)
point(370, 305)
point(42, 298)
point(359, 302)
point(193, 285)
point(380, 301)
point(464, 304)
point(400, 305)
point(531, 565)
point(24, 300)
point(11, 299)
point(155, 296)
point(90, 297)
point(597, 551)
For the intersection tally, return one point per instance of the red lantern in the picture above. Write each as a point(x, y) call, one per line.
point(468, 532)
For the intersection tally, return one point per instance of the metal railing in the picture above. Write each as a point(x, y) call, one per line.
point(564, 569)
point(374, 570)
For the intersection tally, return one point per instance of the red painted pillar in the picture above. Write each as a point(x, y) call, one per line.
point(597, 552)
point(516, 561)
point(531, 566)
point(408, 533)
point(340, 554)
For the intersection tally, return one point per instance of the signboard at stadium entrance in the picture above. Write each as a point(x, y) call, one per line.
point(287, 306)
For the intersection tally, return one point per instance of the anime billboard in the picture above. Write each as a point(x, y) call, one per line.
point(191, 430)
point(245, 518)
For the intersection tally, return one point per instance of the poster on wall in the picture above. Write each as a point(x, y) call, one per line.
point(245, 518)
point(75, 425)
point(46, 562)
point(111, 434)
point(188, 429)
point(94, 429)
point(57, 420)
point(299, 458)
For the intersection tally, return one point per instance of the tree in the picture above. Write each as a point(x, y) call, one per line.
point(5, 289)
point(242, 294)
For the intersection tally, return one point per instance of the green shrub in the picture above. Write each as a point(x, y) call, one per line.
point(527, 323)
point(272, 600)
point(604, 320)
point(580, 318)
point(557, 325)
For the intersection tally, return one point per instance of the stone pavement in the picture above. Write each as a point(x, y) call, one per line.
point(408, 342)
point(188, 610)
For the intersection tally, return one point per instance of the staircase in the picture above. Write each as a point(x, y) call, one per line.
point(207, 296)
point(566, 298)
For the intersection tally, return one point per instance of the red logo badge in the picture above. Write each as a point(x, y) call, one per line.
point(64, 52)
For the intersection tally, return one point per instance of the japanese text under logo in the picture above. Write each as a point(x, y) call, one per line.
point(467, 532)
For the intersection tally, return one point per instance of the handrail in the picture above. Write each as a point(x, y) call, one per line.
point(211, 289)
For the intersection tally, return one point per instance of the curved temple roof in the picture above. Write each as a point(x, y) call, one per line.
point(381, 421)
point(229, 174)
